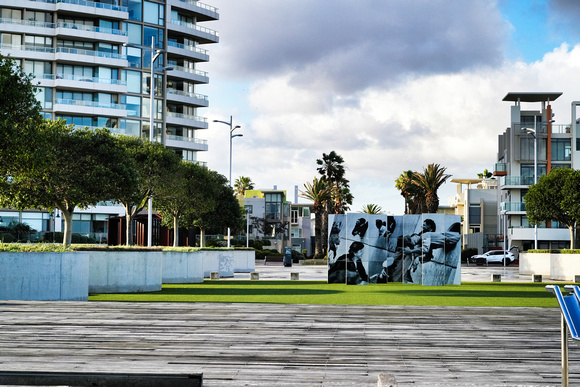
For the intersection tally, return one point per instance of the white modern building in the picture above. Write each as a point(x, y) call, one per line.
point(533, 142)
point(93, 62)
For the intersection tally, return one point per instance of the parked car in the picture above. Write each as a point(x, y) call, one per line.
point(493, 256)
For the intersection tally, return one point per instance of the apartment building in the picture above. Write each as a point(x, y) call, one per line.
point(271, 216)
point(532, 142)
point(93, 62)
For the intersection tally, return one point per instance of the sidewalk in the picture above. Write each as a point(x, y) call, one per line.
point(276, 271)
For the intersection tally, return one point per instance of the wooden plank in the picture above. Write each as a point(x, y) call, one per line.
point(29, 378)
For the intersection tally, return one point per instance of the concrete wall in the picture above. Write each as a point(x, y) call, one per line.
point(535, 263)
point(182, 267)
point(125, 271)
point(44, 276)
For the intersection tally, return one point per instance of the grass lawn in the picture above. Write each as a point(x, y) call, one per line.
point(319, 292)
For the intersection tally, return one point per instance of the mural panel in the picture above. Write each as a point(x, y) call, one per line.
point(418, 249)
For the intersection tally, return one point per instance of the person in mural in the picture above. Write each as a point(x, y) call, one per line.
point(334, 241)
point(349, 268)
point(392, 265)
point(438, 251)
point(360, 228)
point(413, 253)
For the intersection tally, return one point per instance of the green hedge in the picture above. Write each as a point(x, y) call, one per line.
point(562, 251)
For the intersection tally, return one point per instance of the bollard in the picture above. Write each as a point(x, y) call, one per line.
point(496, 277)
point(577, 279)
point(294, 276)
point(214, 275)
point(537, 278)
point(254, 276)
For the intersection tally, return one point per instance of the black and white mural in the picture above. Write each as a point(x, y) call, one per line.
point(418, 249)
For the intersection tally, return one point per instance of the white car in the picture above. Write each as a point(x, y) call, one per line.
point(493, 256)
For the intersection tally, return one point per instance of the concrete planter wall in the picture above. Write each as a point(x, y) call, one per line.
point(182, 267)
point(221, 261)
point(125, 271)
point(535, 263)
point(44, 276)
point(563, 267)
point(244, 261)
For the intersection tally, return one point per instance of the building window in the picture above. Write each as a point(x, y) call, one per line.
point(249, 208)
point(273, 206)
point(527, 173)
point(154, 13)
point(561, 149)
point(527, 148)
point(294, 216)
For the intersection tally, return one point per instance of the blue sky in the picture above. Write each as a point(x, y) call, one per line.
point(389, 85)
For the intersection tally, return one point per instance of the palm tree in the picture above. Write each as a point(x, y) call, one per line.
point(413, 194)
point(430, 180)
point(242, 184)
point(318, 192)
point(372, 209)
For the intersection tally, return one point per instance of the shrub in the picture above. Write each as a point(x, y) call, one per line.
point(258, 245)
point(297, 256)
point(266, 242)
point(6, 238)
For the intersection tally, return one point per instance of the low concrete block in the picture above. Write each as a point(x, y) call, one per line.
point(386, 380)
point(294, 276)
point(254, 276)
point(496, 277)
point(577, 278)
point(214, 275)
point(537, 278)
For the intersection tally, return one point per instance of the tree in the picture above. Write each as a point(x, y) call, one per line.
point(372, 209)
point(19, 118)
point(555, 198)
point(318, 192)
point(79, 168)
point(485, 174)
point(430, 180)
point(189, 194)
point(242, 184)
point(413, 194)
point(156, 167)
point(332, 170)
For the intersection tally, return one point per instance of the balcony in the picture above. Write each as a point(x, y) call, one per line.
point(109, 59)
point(89, 107)
point(194, 75)
point(187, 97)
point(187, 120)
point(513, 207)
point(186, 143)
point(89, 83)
point(500, 169)
point(190, 52)
point(203, 11)
point(202, 34)
point(518, 181)
point(28, 51)
point(91, 8)
point(72, 30)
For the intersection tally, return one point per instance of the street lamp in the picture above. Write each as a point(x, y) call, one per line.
point(155, 53)
point(534, 132)
point(232, 135)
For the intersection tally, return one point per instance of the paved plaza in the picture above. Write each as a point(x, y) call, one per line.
point(292, 345)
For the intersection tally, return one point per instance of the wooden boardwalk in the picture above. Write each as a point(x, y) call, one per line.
point(289, 345)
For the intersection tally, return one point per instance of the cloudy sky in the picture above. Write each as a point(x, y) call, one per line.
point(390, 85)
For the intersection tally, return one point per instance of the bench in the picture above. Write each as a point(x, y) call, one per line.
point(570, 320)
point(41, 378)
point(273, 258)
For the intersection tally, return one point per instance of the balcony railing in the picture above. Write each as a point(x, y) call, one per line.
point(188, 139)
point(200, 5)
point(84, 3)
point(186, 117)
point(187, 47)
point(29, 23)
point(194, 26)
point(79, 78)
point(519, 180)
point(100, 54)
point(191, 71)
point(94, 104)
point(82, 27)
point(513, 206)
point(187, 94)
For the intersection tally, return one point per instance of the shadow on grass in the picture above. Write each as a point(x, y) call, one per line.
point(201, 291)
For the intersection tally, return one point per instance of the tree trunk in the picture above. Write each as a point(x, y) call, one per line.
point(201, 237)
point(129, 224)
point(67, 214)
point(317, 234)
point(572, 239)
point(324, 233)
point(175, 231)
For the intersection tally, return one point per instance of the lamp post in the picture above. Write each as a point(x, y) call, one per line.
point(155, 53)
point(534, 132)
point(232, 135)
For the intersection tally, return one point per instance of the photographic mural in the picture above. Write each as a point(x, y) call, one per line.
point(417, 249)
